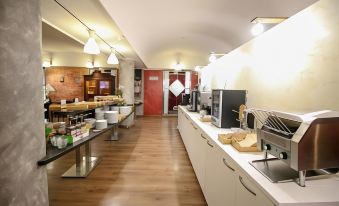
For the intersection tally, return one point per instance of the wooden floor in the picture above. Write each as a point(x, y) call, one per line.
point(147, 166)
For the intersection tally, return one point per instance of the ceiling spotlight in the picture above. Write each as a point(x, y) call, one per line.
point(259, 23)
point(46, 64)
point(212, 57)
point(91, 47)
point(257, 29)
point(112, 59)
point(89, 65)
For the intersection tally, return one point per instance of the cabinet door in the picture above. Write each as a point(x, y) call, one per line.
point(249, 194)
point(198, 151)
point(220, 182)
point(180, 116)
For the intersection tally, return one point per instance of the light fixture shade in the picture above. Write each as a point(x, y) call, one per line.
point(257, 29)
point(212, 57)
point(112, 59)
point(179, 67)
point(91, 47)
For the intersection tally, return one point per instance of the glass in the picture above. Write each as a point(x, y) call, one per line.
point(104, 88)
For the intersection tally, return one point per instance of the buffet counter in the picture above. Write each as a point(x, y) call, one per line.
point(83, 164)
point(226, 177)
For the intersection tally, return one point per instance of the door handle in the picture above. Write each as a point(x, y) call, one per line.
point(211, 145)
point(227, 165)
point(246, 187)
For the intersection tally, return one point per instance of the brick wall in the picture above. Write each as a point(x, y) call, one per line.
point(72, 85)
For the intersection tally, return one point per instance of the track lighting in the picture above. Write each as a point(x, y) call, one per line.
point(112, 59)
point(91, 47)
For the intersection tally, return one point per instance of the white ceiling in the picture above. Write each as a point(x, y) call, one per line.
point(56, 41)
point(164, 32)
point(158, 34)
point(73, 34)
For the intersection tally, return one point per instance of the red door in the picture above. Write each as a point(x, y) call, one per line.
point(153, 92)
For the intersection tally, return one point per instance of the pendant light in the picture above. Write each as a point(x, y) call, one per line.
point(112, 59)
point(178, 67)
point(91, 47)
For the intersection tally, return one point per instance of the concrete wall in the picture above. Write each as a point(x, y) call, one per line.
point(22, 141)
point(126, 79)
point(73, 85)
point(293, 67)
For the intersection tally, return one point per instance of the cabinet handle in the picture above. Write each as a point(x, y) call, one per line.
point(211, 145)
point(227, 165)
point(245, 186)
point(203, 136)
point(186, 117)
point(194, 126)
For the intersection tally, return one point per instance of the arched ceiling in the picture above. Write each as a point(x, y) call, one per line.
point(158, 34)
point(164, 32)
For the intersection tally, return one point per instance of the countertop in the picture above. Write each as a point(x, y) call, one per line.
point(321, 190)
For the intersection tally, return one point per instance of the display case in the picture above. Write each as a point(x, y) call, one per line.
point(98, 84)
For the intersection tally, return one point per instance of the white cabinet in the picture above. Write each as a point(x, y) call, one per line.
point(198, 150)
point(248, 194)
point(220, 181)
point(219, 176)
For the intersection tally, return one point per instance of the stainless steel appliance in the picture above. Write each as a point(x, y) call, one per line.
point(205, 101)
point(224, 102)
point(193, 107)
point(303, 145)
point(185, 99)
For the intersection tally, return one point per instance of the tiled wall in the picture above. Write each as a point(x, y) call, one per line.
point(72, 85)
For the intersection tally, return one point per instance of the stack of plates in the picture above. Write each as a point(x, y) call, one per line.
point(98, 109)
point(125, 110)
point(90, 121)
point(101, 124)
point(99, 115)
point(115, 108)
point(106, 108)
point(111, 117)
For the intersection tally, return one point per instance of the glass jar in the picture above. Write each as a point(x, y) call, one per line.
point(71, 131)
point(62, 128)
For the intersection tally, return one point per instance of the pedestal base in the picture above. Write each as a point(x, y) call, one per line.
point(83, 169)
